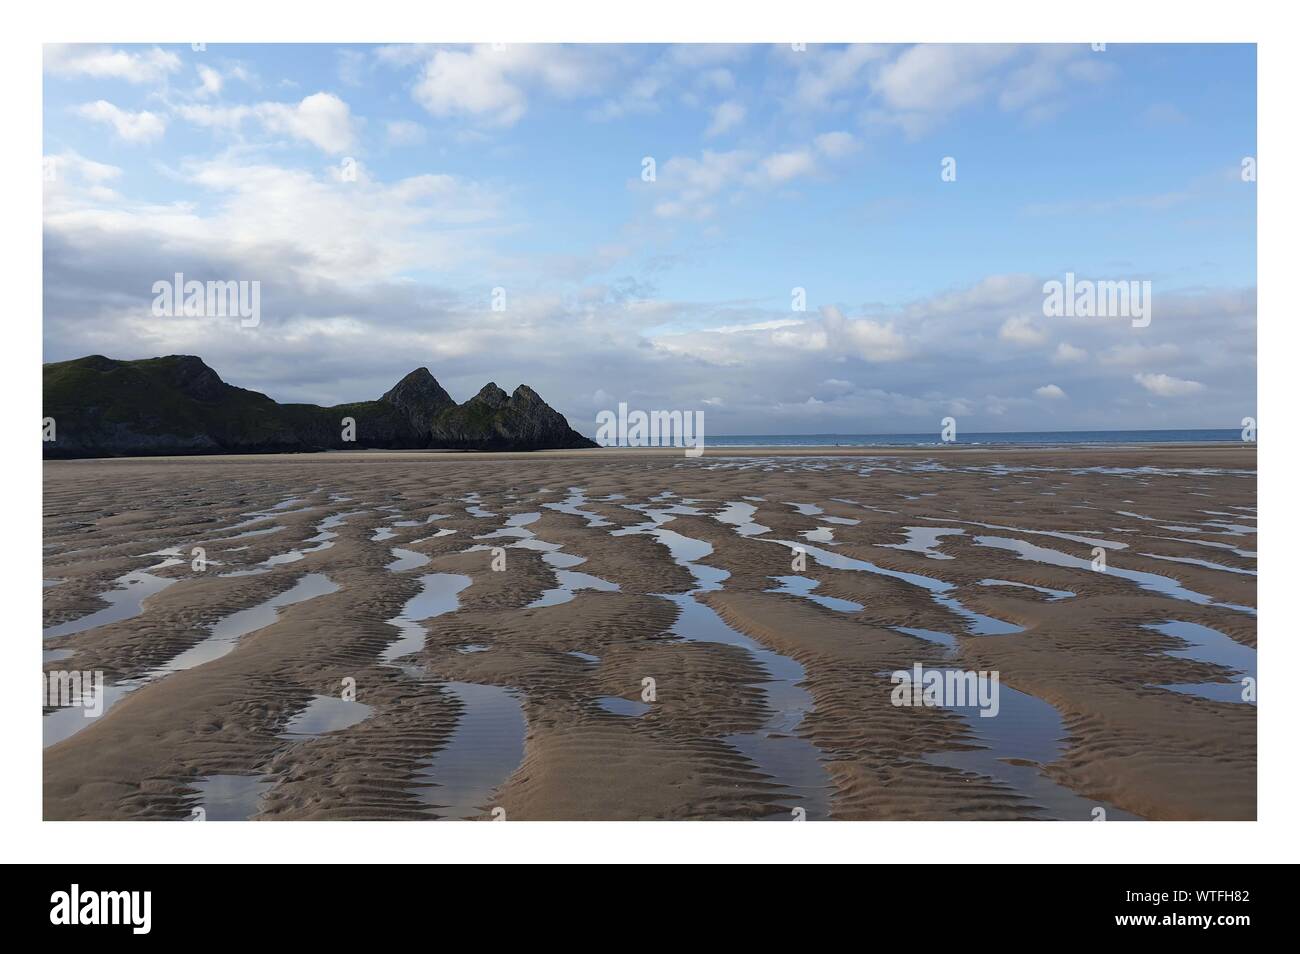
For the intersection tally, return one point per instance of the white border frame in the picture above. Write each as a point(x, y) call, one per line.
point(1273, 838)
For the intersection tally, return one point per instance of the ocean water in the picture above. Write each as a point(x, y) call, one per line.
point(1040, 438)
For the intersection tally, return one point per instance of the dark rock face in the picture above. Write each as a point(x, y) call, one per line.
point(193, 378)
point(494, 420)
point(179, 405)
point(419, 398)
point(490, 396)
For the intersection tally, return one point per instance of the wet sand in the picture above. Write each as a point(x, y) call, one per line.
point(633, 641)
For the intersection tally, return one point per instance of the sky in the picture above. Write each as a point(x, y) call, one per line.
point(833, 239)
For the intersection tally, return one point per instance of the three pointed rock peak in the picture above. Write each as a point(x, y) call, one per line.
point(420, 387)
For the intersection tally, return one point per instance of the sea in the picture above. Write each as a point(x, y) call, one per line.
point(1035, 438)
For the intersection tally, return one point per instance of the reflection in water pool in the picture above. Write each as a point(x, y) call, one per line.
point(924, 540)
point(1051, 594)
point(803, 586)
point(1025, 728)
point(568, 583)
point(929, 635)
point(227, 632)
point(324, 539)
point(230, 797)
point(1147, 581)
point(59, 724)
point(622, 707)
point(485, 748)
point(741, 516)
point(124, 602)
point(326, 714)
point(977, 623)
point(406, 560)
point(438, 595)
point(1210, 646)
point(775, 748)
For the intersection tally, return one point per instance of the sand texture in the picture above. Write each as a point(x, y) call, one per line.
point(636, 654)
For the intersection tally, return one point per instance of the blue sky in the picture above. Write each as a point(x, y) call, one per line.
point(521, 168)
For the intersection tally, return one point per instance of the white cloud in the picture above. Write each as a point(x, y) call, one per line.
point(1067, 353)
point(926, 83)
point(1036, 85)
point(491, 84)
point(210, 82)
point(1022, 331)
point(103, 62)
point(1050, 391)
point(727, 115)
point(826, 74)
point(836, 145)
point(856, 337)
point(693, 183)
point(288, 222)
point(784, 166)
point(693, 71)
point(757, 326)
point(1166, 386)
point(321, 119)
point(939, 77)
point(139, 127)
point(1136, 354)
point(72, 164)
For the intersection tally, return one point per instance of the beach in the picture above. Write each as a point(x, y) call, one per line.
point(637, 634)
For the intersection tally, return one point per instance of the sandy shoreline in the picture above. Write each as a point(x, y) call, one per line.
point(766, 702)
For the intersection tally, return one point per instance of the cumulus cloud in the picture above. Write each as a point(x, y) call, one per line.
point(321, 119)
point(141, 127)
point(104, 62)
point(918, 87)
point(694, 183)
point(830, 335)
point(1022, 331)
point(1050, 391)
point(70, 164)
point(210, 81)
point(491, 83)
point(784, 166)
point(727, 115)
point(826, 74)
point(275, 220)
point(1067, 353)
point(1164, 385)
point(938, 78)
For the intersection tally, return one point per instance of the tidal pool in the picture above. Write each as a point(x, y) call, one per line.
point(483, 751)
